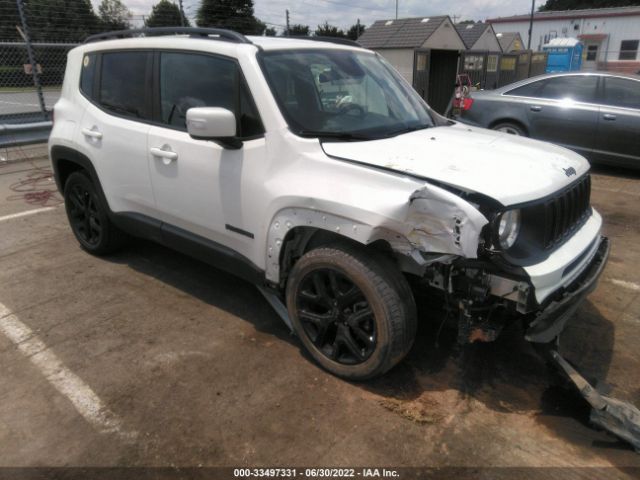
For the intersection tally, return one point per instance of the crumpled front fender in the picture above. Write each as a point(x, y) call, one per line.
point(430, 220)
point(442, 222)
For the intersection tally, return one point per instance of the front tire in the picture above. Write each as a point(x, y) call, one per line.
point(88, 217)
point(353, 311)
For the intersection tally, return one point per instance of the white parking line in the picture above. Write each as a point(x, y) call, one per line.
point(28, 212)
point(624, 284)
point(86, 402)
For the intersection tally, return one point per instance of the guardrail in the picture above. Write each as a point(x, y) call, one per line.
point(13, 135)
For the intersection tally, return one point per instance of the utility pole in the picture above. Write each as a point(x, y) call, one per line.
point(358, 29)
point(288, 26)
point(533, 8)
point(182, 22)
point(396, 9)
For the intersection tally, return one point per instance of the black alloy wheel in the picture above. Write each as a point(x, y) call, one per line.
point(336, 316)
point(83, 214)
point(352, 309)
point(88, 216)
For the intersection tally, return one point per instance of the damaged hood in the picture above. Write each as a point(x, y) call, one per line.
point(507, 168)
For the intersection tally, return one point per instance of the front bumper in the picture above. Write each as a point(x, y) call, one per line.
point(552, 318)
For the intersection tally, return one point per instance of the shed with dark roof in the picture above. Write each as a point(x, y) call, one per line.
point(510, 41)
point(424, 50)
point(479, 36)
point(423, 32)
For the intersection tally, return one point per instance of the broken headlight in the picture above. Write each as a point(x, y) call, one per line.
point(508, 228)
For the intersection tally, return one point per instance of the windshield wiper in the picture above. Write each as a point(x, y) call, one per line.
point(336, 135)
point(409, 130)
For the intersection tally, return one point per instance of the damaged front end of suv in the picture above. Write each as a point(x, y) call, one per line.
point(498, 263)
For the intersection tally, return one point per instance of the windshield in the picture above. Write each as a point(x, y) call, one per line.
point(342, 94)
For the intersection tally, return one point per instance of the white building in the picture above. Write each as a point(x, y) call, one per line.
point(611, 35)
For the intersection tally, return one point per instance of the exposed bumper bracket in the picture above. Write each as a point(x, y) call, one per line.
point(615, 416)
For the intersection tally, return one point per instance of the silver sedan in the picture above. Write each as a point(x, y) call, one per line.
point(596, 114)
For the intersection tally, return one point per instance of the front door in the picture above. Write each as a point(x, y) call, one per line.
point(198, 184)
point(590, 56)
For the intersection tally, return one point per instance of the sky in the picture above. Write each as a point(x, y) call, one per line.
point(346, 12)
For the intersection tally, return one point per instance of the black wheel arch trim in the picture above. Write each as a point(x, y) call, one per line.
point(61, 153)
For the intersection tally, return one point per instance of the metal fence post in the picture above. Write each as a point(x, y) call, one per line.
point(32, 59)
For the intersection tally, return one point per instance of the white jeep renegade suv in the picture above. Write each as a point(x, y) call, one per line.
point(315, 171)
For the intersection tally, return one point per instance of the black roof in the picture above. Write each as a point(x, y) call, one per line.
point(400, 33)
point(471, 32)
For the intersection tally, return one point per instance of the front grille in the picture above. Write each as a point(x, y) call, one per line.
point(565, 212)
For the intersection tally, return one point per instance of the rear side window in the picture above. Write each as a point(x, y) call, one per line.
point(621, 92)
point(580, 88)
point(123, 83)
point(189, 80)
point(88, 74)
point(529, 90)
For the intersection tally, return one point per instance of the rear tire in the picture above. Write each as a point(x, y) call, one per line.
point(88, 217)
point(510, 128)
point(353, 311)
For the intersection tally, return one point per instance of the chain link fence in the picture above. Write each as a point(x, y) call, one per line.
point(22, 99)
point(31, 74)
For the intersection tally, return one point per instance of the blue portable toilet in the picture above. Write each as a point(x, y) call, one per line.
point(565, 54)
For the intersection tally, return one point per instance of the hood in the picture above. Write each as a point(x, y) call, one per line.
point(507, 168)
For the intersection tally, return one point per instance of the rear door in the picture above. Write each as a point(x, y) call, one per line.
point(115, 125)
point(565, 112)
point(618, 138)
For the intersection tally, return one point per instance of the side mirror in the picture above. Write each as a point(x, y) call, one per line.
point(213, 123)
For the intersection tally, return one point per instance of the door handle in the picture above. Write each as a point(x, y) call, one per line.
point(92, 133)
point(535, 108)
point(609, 116)
point(165, 153)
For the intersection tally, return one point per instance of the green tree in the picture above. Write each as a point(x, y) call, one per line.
point(165, 14)
point(114, 15)
point(327, 30)
point(299, 30)
point(232, 14)
point(9, 19)
point(584, 4)
point(61, 20)
point(355, 31)
point(270, 32)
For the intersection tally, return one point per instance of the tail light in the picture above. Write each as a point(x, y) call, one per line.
point(466, 103)
point(463, 103)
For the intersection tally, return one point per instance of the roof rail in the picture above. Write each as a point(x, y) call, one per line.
point(338, 40)
point(221, 33)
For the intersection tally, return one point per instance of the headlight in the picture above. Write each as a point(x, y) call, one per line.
point(508, 228)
